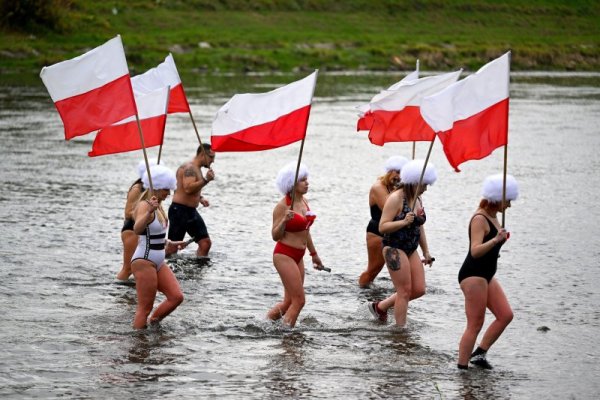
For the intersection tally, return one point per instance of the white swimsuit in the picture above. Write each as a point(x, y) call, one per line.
point(151, 244)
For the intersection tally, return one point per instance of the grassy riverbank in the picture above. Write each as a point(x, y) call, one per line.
point(287, 35)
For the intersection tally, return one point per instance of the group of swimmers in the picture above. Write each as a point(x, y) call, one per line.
point(394, 233)
point(396, 230)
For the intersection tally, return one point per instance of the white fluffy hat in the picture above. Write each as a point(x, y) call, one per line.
point(162, 178)
point(141, 167)
point(395, 163)
point(285, 177)
point(492, 188)
point(411, 172)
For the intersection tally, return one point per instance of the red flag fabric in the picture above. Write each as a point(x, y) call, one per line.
point(471, 116)
point(91, 91)
point(124, 136)
point(254, 122)
point(165, 74)
point(396, 116)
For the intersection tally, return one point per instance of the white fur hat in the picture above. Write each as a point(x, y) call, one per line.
point(285, 177)
point(141, 168)
point(395, 163)
point(492, 188)
point(411, 172)
point(162, 178)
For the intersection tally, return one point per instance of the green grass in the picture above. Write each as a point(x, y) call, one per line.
point(278, 35)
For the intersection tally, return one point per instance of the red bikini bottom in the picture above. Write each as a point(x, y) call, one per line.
point(292, 252)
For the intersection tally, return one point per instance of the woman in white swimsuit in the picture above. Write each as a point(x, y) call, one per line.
point(148, 261)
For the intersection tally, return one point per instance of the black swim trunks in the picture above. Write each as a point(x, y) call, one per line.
point(184, 219)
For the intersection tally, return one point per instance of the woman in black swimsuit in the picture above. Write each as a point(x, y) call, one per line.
point(378, 194)
point(403, 232)
point(476, 276)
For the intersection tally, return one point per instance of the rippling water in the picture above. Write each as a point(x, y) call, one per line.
point(66, 327)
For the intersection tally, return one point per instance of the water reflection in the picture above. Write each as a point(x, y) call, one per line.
point(58, 262)
point(287, 368)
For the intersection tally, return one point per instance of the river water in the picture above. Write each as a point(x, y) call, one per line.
point(66, 327)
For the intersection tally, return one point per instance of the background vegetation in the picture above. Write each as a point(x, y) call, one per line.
point(291, 35)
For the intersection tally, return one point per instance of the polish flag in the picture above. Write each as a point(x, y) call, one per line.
point(471, 116)
point(365, 122)
point(124, 135)
point(262, 121)
point(165, 74)
point(91, 91)
point(396, 116)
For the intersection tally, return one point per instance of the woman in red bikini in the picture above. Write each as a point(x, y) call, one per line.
point(291, 223)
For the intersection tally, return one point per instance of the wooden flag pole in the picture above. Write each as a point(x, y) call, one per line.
point(137, 118)
point(165, 126)
point(504, 183)
point(422, 174)
point(302, 147)
point(197, 134)
point(505, 154)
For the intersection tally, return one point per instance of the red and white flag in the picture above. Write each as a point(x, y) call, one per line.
point(471, 116)
point(262, 121)
point(165, 74)
point(91, 91)
point(396, 116)
point(365, 122)
point(124, 135)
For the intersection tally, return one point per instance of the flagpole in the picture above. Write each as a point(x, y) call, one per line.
point(505, 151)
point(196, 130)
point(137, 118)
point(302, 145)
point(504, 183)
point(165, 126)
point(422, 174)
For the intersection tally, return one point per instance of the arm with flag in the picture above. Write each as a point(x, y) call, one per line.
point(93, 90)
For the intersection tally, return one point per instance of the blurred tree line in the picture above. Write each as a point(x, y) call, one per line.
point(35, 15)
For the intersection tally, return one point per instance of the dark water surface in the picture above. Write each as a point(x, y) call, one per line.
point(66, 327)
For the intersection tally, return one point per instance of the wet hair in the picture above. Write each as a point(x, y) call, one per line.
point(138, 181)
point(410, 191)
point(207, 147)
point(488, 204)
point(386, 179)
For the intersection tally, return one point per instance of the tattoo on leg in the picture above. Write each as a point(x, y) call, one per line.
point(392, 259)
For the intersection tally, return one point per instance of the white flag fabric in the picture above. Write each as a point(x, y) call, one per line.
point(396, 117)
point(261, 121)
point(165, 74)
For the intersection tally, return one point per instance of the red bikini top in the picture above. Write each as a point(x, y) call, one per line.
point(300, 222)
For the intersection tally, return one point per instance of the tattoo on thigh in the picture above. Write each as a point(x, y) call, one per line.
point(392, 259)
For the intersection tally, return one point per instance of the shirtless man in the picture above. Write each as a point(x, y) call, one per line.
point(183, 215)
